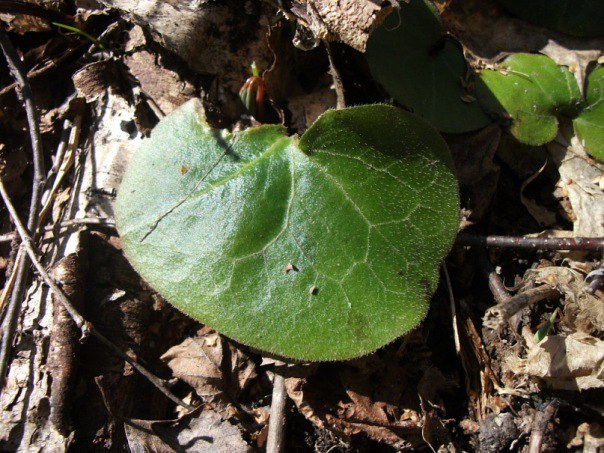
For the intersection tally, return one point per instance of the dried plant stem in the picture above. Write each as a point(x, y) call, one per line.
point(337, 80)
point(498, 314)
point(276, 429)
point(453, 310)
point(539, 426)
point(524, 243)
point(85, 327)
point(99, 222)
point(500, 293)
point(21, 265)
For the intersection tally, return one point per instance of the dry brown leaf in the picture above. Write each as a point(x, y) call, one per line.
point(582, 310)
point(163, 86)
point(217, 370)
point(376, 395)
point(579, 180)
point(573, 362)
point(216, 39)
point(203, 431)
point(92, 80)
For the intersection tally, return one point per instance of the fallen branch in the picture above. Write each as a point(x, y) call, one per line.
point(22, 268)
point(539, 426)
point(524, 243)
point(99, 222)
point(276, 429)
point(498, 314)
point(85, 327)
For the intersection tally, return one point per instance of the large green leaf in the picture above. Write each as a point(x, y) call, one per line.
point(575, 17)
point(589, 125)
point(422, 69)
point(320, 248)
point(532, 91)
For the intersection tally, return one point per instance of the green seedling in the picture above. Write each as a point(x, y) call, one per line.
point(80, 32)
point(320, 247)
point(544, 330)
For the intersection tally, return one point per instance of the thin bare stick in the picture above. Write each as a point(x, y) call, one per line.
point(85, 327)
point(22, 266)
point(337, 80)
point(453, 310)
point(524, 243)
point(500, 294)
point(64, 166)
point(275, 442)
point(539, 426)
point(498, 314)
point(99, 222)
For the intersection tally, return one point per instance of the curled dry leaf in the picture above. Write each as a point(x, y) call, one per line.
point(579, 181)
point(582, 310)
point(376, 395)
point(573, 362)
point(203, 431)
point(217, 370)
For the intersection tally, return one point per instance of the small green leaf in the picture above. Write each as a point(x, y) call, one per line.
point(589, 125)
point(319, 248)
point(423, 69)
point(575, 17)
point(532, 91)
point(546, 327)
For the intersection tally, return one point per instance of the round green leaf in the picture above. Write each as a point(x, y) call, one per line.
point(422, 69)
point(532, 91)
point(320, 248)
point(575, 17)
point(589, 125)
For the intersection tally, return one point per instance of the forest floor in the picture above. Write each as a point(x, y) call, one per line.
point(468, 378)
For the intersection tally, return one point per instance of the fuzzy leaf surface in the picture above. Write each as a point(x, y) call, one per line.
point(532, 91)
point(589, 125)
point(320, 248)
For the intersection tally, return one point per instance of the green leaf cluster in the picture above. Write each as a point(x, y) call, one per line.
point(322, 247)
point(535, 93)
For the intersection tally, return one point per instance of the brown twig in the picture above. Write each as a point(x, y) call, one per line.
point(53, 64)
point(498, 314)
point(524, 243)
point(64, 345)
point(85, 327)
point(21, 267)
point(500, 293)
point(337, 80)
point(275, 442)
point(99, 222)
point(453, 310)
point(539, 426)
